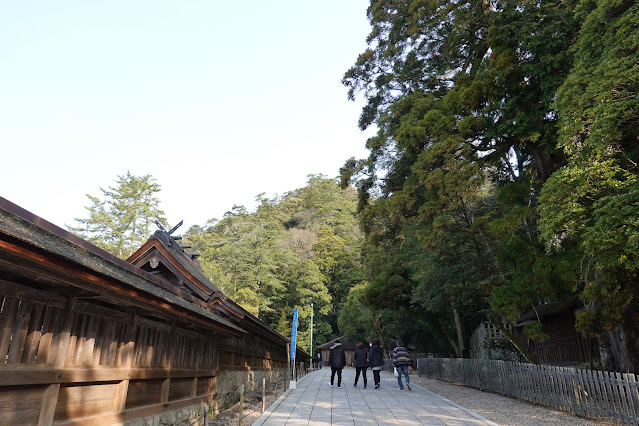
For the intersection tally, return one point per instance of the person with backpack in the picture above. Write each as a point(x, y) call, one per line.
point(376, 360)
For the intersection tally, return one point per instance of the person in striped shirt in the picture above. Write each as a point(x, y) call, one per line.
point(401, 361)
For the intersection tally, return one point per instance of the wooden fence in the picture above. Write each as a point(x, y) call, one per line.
point(599, 395)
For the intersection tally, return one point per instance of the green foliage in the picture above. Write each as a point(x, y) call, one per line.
point(593, 201)
point(122, 220)
point(357, 318)
point(490, 116)
point(294, 250)
point(535, 331)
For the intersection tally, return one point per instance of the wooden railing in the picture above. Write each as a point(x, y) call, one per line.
point(599, 395)
point(486, 330)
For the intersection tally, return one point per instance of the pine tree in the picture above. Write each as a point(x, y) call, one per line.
point(120, 221)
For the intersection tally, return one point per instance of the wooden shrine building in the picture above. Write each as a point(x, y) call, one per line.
point(564, 345)
point(88, 338)
point(349, 350)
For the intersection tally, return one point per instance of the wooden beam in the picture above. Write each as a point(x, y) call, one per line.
point(19, 334)
point(199, 353)
point(102, 312)
point(50, 397)
point(33, 335)
point(48, 326)
point(11, 289)
point(166, 384)
point(7, 320)
point(43, 375)
point(126, 361)
point(145, 322)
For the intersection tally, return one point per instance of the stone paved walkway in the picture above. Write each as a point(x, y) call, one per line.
point(314, 402)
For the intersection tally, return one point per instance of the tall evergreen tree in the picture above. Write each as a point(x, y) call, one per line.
point(121, 221)
point(591, 205)
point(461, 94)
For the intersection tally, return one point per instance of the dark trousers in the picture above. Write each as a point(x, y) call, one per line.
point(376, 376)
point(363, 371)
point(339, 375)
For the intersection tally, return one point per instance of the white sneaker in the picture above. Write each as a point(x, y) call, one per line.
point(401, 389)
point(330, 385)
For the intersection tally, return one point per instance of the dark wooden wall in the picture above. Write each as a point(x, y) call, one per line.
point(564, 345)
point(66, 360)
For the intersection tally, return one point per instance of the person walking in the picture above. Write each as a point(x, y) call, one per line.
point(319, 360)
point(361, 363)
point(401, 361)
point(376, 360)
point(337, 360)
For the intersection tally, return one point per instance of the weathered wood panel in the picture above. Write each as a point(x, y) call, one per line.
point(180, 389)
point(206, 385)
point(78, 401)
point(20, 405)
point(143, 392)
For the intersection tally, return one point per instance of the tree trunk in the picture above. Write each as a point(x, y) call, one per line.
point(379, 329)
point(450, 339)
point(623, 344)
point(460, 336)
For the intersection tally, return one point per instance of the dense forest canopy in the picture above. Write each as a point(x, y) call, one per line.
point(504, 171)
point(300, 248)
point(503, 175)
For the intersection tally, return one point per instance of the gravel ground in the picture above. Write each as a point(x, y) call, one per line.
point(500, 409)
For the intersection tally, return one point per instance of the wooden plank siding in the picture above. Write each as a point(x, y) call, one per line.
point(598, 395)
point(88, 338)
point(563, 344)
point(65, 359)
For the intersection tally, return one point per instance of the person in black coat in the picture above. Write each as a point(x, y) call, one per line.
point(376, 360)
point(361, 363)
point(337, 360)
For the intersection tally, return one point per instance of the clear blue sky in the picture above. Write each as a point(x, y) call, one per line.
point(219, 101)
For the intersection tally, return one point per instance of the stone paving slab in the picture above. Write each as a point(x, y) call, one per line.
point(315, 403)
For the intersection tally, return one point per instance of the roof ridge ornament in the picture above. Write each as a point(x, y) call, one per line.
point(172, 240)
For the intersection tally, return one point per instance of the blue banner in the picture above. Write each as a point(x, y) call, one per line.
point(293, 335)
